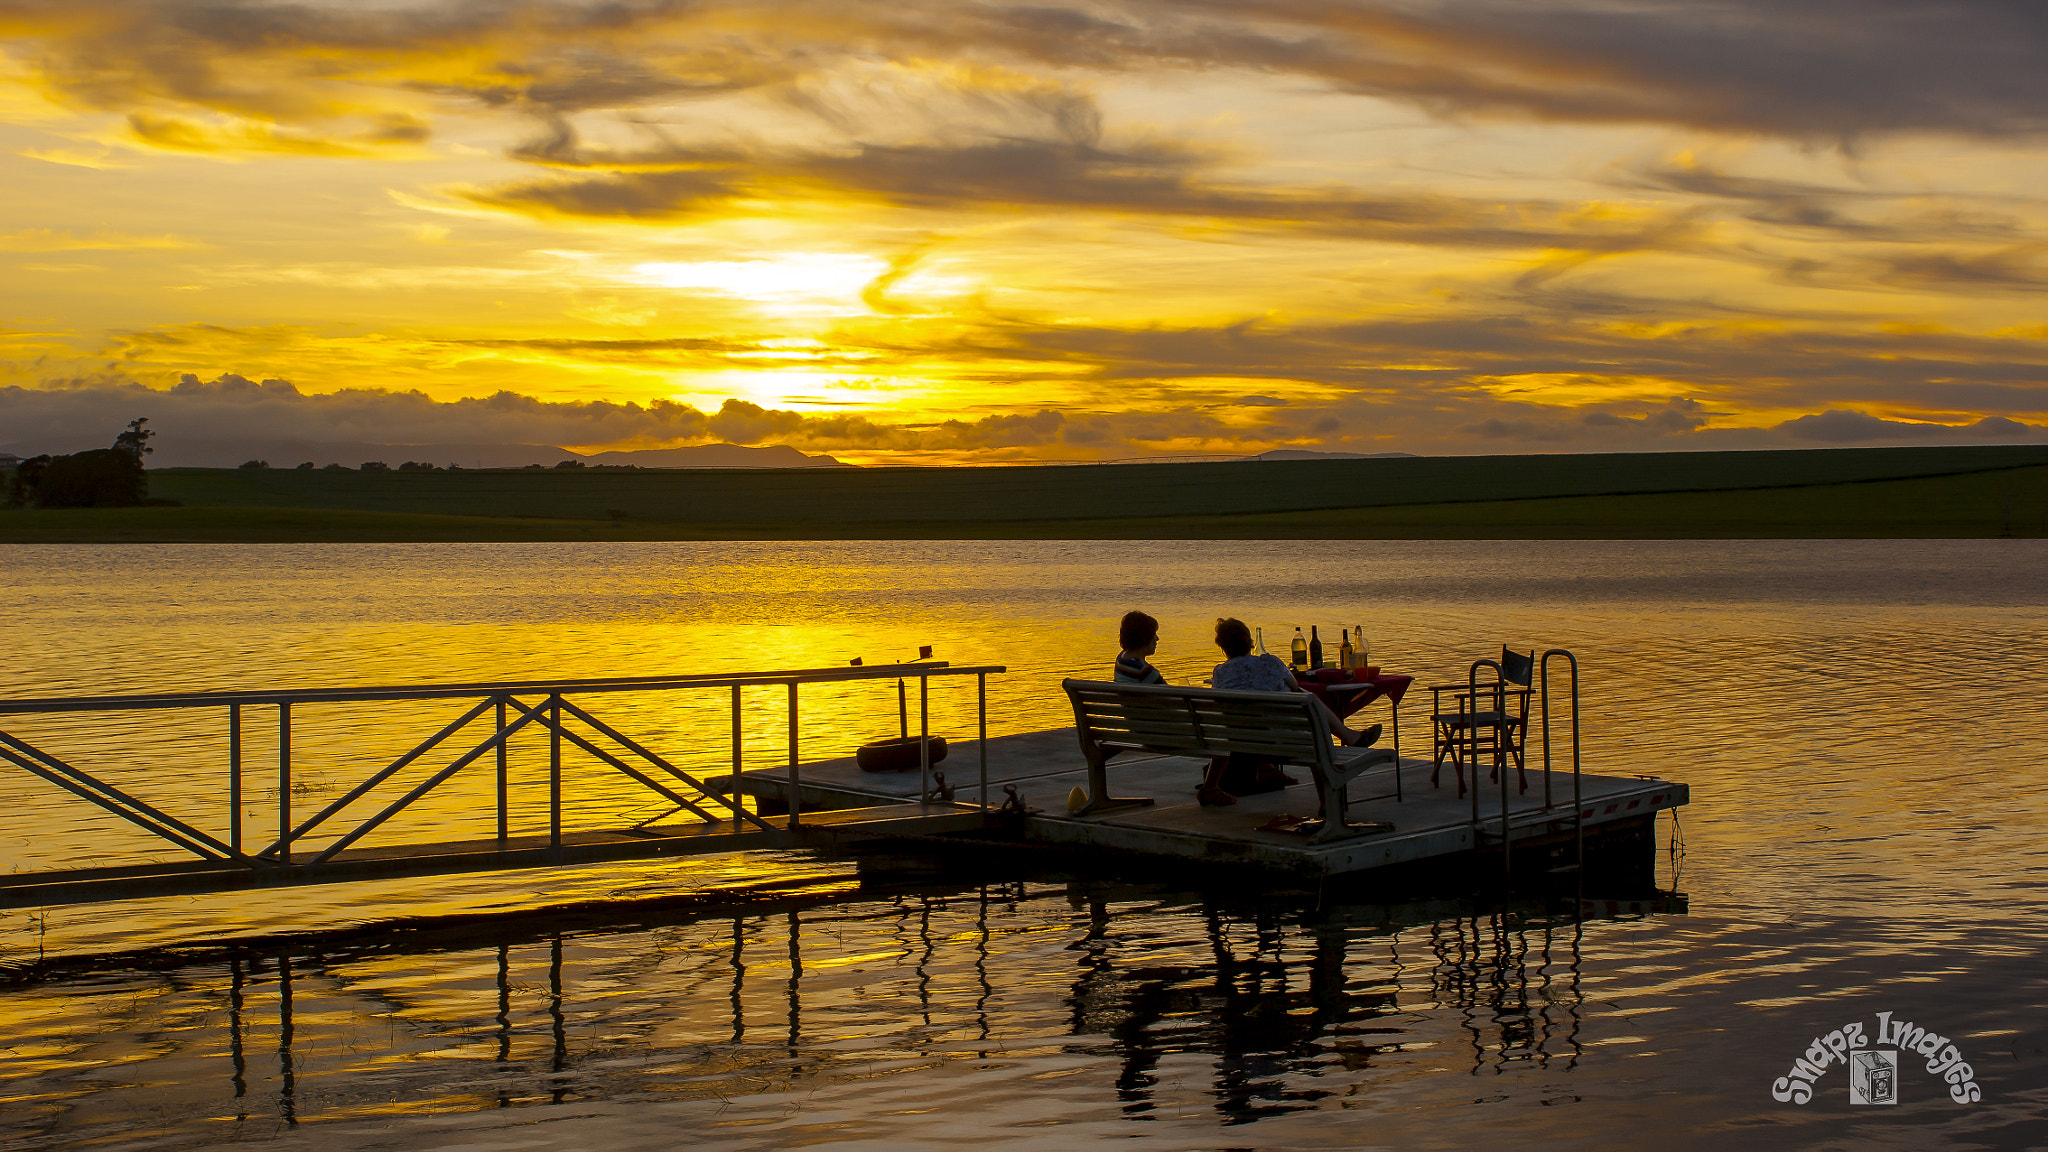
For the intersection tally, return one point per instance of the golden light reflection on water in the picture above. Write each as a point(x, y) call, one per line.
point(967, 1011)
point(1826, 701)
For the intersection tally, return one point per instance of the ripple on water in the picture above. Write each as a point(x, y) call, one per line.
point(1852, 718)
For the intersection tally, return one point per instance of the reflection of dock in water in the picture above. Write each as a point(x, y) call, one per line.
point(1254, 1003)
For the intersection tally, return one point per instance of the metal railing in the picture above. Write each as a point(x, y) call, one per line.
point(1507, 743)
point(1578, 810)
point(514, 706)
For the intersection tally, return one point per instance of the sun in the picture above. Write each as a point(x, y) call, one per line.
point(816, 282)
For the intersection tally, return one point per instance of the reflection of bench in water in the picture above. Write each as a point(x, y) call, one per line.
point(1280, 727)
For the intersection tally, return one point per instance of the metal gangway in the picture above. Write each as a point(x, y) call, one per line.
point(221, 860)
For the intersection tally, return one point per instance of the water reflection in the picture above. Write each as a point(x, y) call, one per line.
point(1834, 874)
point(1275, 1001)
point(1282, 1004)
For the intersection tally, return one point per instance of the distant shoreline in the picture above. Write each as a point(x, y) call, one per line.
point(1844, 493)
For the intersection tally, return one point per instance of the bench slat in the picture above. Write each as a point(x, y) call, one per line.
point(1235, 740)
point(1285, 727)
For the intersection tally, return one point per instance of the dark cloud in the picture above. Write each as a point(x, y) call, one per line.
point(1835, 69)
point(1840, 426)
point(2019, 267)
point(196, 416)
point(1680, 414)
point(1156, 180)
point(1824, 69)
point(234, 407)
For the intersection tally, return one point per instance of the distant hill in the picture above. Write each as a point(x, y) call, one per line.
point(1956, 491)
point(1306, 454)
point(715, 456)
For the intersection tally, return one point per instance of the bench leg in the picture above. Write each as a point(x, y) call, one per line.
point(1334, 803)
point(1099, 799)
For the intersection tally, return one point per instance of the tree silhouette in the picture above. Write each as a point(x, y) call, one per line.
point(135, 441)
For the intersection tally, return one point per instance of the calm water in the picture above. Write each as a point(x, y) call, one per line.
point(1859, 722)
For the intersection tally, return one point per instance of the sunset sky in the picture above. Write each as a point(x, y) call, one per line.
point(974, 232)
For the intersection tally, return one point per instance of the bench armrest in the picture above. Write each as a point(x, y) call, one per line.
point(1348, 764)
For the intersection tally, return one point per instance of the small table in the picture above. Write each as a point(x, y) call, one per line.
point(1348, 694)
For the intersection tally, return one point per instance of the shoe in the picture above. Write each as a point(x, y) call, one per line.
point(1367, 738)
point(1214, 797)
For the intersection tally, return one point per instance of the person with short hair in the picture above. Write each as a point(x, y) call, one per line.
point(1245, 672)
point(1139, 635)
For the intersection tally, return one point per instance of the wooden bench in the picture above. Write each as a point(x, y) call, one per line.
point(1286, 727)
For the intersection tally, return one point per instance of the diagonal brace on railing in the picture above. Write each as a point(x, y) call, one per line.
point(425, 786)
point(87, 786)
point(739, 813)
point(668, 793)
point(132, 817)
point(386, 773)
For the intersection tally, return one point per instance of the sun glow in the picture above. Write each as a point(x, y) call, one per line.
point(824, 281)
point(969, 239)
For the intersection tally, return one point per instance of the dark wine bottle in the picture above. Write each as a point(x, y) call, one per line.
point(1315, 648)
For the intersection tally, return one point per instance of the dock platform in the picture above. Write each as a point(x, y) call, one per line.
point(1428, 823)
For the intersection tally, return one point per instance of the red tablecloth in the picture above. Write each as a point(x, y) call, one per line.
point(1384, 684)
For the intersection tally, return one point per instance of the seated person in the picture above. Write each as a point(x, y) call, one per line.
point(1245, 672)
point(1139, 635)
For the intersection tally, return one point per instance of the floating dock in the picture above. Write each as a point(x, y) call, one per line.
point(1429, 823)
point(837, 803)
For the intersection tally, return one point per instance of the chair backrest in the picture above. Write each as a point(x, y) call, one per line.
point(1513, 668)
point(1198, 721)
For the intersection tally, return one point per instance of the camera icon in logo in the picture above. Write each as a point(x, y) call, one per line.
point(1874, 1076)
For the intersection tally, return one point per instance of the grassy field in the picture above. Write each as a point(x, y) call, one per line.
point(1901, 492)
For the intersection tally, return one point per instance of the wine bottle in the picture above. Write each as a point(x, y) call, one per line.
point(1315, 648)
point(1300, 652)
point(1347, 656)
point(1259, 634)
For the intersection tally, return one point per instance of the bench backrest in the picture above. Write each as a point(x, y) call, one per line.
point(1198, 721)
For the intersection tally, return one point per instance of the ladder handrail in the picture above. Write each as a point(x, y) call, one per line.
point(1578, 809)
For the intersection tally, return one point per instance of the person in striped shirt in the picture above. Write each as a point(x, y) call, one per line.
point(1139, 635)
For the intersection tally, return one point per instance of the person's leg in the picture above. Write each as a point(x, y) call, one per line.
point(1345, 734)
point(1337, 725)
point(1211, 791)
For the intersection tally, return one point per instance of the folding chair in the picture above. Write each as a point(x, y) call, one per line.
point(1485, 718)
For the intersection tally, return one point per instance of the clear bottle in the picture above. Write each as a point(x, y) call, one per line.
point(1299, 654)
point(1347, 656)
point(1259, 637)
point(1315, 648)
point(1359, 642)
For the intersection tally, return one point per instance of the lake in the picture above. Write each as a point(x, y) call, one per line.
point(1859, 722)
